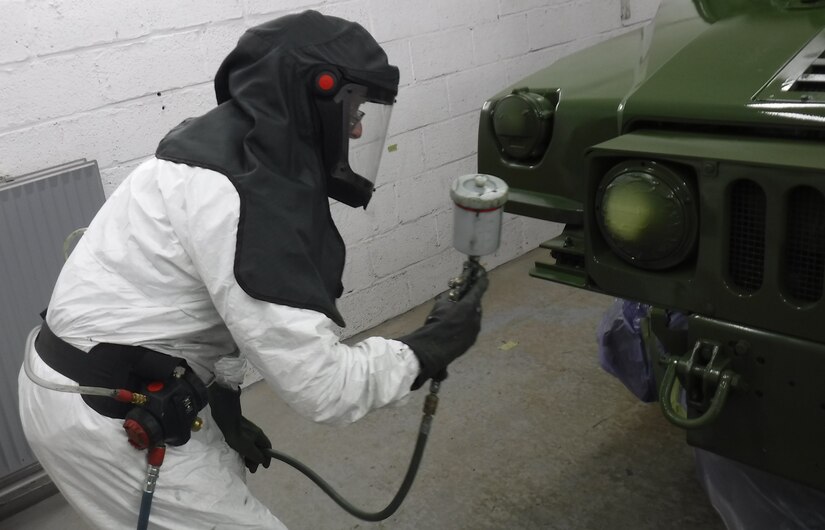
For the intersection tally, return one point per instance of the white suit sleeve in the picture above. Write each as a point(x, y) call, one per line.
point(230, 370)
point(295, 350)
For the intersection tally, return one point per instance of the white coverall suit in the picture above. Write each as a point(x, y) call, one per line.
point(155, 269)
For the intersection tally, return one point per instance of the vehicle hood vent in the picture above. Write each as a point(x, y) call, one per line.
point(802, 79)
point(812, 79)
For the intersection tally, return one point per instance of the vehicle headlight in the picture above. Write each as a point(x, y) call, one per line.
point(647, 213)
point(522, 122)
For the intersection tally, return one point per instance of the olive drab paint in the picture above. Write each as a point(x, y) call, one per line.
point(709, 121)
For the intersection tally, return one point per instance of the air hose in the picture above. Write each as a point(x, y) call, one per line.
point(119, 394)
point(430, 405)
point(154, 459)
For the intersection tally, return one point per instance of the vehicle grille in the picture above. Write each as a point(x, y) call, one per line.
point(747, 235)
point(803, 257)
point(805, 244)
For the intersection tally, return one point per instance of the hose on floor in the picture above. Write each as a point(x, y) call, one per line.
point(430, 405)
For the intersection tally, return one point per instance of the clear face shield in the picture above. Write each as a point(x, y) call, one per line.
point(366, 124)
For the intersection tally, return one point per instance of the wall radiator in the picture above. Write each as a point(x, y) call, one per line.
point(37, 212)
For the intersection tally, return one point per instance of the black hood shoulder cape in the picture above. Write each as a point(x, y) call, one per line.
point(265, 136)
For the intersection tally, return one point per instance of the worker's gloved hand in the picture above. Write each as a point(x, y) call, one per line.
point(449, 331)
point(241, 434)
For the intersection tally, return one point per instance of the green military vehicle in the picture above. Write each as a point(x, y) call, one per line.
point(686, 160)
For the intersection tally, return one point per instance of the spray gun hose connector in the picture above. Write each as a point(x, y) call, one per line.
point(430, 404)
point(126, 396)
point(154, 459)
point(431, 401)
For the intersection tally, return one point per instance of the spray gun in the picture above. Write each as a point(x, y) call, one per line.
point(477, 215)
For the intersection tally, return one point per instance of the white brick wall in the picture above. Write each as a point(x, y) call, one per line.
point(104, 80)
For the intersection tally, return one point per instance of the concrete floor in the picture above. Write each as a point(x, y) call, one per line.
point(530, 434)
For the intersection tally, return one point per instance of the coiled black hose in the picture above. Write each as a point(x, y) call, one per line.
point(430, 405)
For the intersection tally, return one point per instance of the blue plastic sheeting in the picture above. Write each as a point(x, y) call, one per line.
point(621, 350)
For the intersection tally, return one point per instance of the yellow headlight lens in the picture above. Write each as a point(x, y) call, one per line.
point(647, 215)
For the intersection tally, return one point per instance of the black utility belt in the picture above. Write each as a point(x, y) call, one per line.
point(175, 394)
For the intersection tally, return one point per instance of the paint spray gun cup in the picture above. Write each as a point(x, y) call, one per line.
point(478, 207)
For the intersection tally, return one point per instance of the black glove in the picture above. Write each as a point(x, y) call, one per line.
point(449, 331)
point(241, 434)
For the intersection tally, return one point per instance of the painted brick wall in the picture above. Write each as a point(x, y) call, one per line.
point(105, 80)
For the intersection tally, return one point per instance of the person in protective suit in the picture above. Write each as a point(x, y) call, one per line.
point(219, 248)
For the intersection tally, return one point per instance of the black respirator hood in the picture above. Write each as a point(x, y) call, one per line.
point(265, 135)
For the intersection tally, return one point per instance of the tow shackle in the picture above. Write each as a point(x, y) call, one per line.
point(714, 374)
